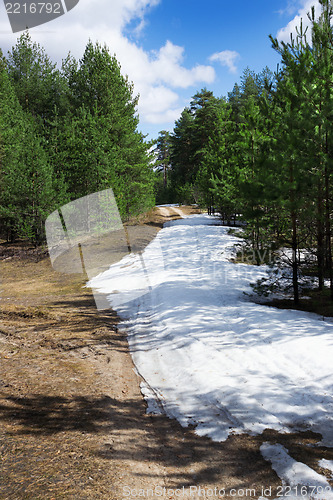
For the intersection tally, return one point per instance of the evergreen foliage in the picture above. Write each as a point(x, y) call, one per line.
point(29, 190)
point(66, 133)
point(162, 153)
point(266, 154)
point(263, 155)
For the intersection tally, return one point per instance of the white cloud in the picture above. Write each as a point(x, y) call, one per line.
point(116, 14)
point(167, 67)
point(290, 9)
point(283, 34)
point(226, 58)
point(156, 100)
point(169, 116)
point(158, 76)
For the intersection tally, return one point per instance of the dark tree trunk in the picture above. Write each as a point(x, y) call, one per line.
point(295, 259)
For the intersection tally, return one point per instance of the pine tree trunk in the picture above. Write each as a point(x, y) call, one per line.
point(294, 258)
point(320, 240)
point(328, 228)
point(294, 242)
point(320, 255)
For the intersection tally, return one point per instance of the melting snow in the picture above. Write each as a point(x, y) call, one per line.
point(299, 480)
point(326, 464)
point(209, 355)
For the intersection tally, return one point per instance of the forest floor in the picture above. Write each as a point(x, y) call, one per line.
point(73, 420)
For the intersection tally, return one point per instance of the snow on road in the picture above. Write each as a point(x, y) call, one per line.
point(299, 480)
point(207, 354)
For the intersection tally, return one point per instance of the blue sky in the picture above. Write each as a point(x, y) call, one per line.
point(170, 49)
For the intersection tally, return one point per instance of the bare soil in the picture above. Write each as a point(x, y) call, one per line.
point(73, 422)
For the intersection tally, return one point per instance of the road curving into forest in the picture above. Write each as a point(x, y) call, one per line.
point(73, 419)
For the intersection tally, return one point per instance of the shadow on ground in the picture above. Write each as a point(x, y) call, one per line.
point(189, 459)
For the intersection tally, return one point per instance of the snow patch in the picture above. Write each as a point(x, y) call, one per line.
point(154, 406)
point(303, 481)
point(215, 359)
point(326, 464)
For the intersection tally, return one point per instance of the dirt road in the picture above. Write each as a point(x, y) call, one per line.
point(73, 420)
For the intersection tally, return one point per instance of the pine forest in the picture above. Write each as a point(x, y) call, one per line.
point(264, 156)
point(261, 157)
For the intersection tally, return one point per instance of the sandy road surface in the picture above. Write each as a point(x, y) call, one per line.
point(73, 421)
point(171, 211)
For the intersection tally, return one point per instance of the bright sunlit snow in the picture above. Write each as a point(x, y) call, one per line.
point(208, 355)
point(327, 464)
point(299, 480)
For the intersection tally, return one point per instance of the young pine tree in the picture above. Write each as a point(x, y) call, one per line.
point(102, 97)
point(28, 188)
